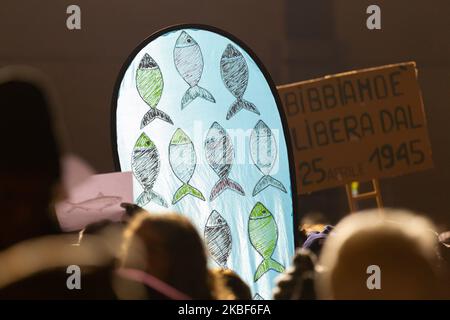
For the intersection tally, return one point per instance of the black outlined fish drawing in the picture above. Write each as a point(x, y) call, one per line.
point(188, 60)
point(183, 160)
point(99, 203)
point(263, 233)
point(218, 238)
point(257, 297)
point(263, 150)
point(219, 155)
point(150, 84)
point(234, 72)
point(145, 166)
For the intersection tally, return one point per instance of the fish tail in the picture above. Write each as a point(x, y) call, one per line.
point(143, 199)
point(150, 196)
point(224, 184)
point(158, 199)
point(205, 94)
point(266, 181)
point(195, 92)
point(152, 114)
point(240, 104)
point(184, 190)
point(266, 265)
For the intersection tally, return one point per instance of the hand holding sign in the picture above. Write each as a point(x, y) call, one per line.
point(98, 197)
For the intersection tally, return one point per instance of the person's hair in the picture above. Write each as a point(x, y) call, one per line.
point(297, 282)
point(233, 286)
point(168, 246)
point(99, 228)
point(397, 242)
point(444, 257)
point(29, 165)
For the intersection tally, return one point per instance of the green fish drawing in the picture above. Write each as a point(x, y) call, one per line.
point(263, 233)
point(182, 159)
point(149, 84)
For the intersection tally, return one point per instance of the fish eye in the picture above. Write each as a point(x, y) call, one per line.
point(188, 40)
point(219, 220)
point(264, 211)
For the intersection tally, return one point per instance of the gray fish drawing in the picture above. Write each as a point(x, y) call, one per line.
point(99, 203)
point(219, 155)
point(263, 233)
point(234, 72)
point(257, 297)
point(218, 238)
point(188, 61)
point(149, 84)
point(145, 166)
point(263, 150)
point(183, 160)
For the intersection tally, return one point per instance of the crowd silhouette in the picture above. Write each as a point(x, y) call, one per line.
point(162, 256)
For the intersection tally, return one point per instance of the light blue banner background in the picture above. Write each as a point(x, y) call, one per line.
point(195, 120)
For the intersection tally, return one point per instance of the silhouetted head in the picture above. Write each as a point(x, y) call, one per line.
point(29, 165)
point(444, 257)
point(168, 247)
point(315, 239)
point(311, 222)
point(108, 231)
point(380, 255)
point(47, 267)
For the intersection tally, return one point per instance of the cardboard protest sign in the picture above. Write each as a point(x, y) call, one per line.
point(356, 126)
point(96, 198)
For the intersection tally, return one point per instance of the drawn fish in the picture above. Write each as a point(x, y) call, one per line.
point(99, 203)
point(263, 150)
point(263, 233)
point(234, 72)
point(183, 160)
point(257, 297)
point(218, 238)
point(188, 60)
point(150, 84)
point(219, 154)
point(145, 166)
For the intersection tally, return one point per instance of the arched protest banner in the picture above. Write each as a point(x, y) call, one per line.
point(197, 119)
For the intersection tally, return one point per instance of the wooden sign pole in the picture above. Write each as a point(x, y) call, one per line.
point(354, 198)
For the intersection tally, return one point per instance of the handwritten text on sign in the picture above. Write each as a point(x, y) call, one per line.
point(356, 126)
